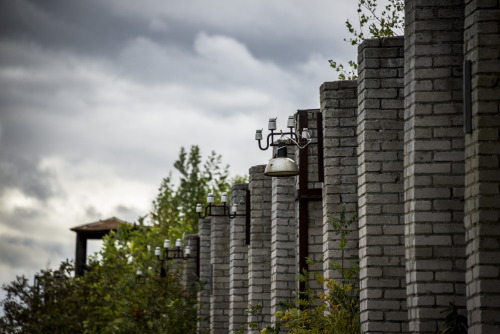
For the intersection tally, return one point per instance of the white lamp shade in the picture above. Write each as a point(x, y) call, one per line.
point(234, 208)
point(157, 251)
point(281, 167)
point(224, 198)
point(187, 251)
point(166, 244)
point(272, 124)
point(178, 243)
point(258, 134)
point(198, 208)
point(210, 198)
point(291, 122)
point(139, 272)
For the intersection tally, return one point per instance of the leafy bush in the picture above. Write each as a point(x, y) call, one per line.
point(374, 21)
point(336, 308)
point(117, 303)
point(108, 298)
point(454, 323)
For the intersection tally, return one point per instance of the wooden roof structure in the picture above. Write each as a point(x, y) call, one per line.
point(95, 230)
point(98, 229)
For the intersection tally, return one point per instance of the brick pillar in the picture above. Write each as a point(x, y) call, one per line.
point(204, 228)
point(482, 167)
point(219, 261)
point(190, 272)
point(238, 261)
point(259, 251)
point(434, 161)
point(283, 236)
point(380, 186)
point(339, 103)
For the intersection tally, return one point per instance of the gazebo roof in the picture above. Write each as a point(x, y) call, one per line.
point(99, 227)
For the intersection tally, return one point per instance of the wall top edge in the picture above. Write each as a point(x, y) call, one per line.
point(394, 41)
point(239, 186)
point(309, 110)
point(339, 84)
point(257, 169)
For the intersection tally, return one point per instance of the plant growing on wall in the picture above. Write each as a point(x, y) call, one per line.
point(334, 310)
point(337, 309)
point(374, 21)
point(256, 310)
point(454, 323)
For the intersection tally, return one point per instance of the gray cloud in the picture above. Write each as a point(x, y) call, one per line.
point(23, 172)
point(20, 252)
point(97, 97)
point(282, 32)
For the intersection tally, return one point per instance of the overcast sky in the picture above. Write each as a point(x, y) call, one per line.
point(98, 96)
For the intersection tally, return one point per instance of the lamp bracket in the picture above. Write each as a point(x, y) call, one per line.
point(292, 138)
point(227, 212)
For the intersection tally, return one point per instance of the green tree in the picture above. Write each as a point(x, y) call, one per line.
point(116, 302)
point(109, 298)
point(50, 305)
point(374, 21)
point(174, 208)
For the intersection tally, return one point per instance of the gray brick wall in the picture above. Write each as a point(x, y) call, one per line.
point(434, 164)
point(190, 274)
point(380, 186)
point(219, 260)
point(339, 111)
point(204, 228)
point(482, 167)
point(238, 261)
point(283, 267)
point(429, 196)
point(259, 251)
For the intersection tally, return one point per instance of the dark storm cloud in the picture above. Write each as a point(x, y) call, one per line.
point(29, 222)
point(17, 252)
point(97, 97)
point(82, 26)
point(23, 173)
point(102, 28)
point(21, 219)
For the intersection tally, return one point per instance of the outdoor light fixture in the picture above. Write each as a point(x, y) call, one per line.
point(280, 165)
point(140, 278)
point(171, 254)
point(228, 212)
point(290, 137)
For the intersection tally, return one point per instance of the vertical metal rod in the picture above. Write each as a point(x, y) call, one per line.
point(303, 212)
point(319, 131)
